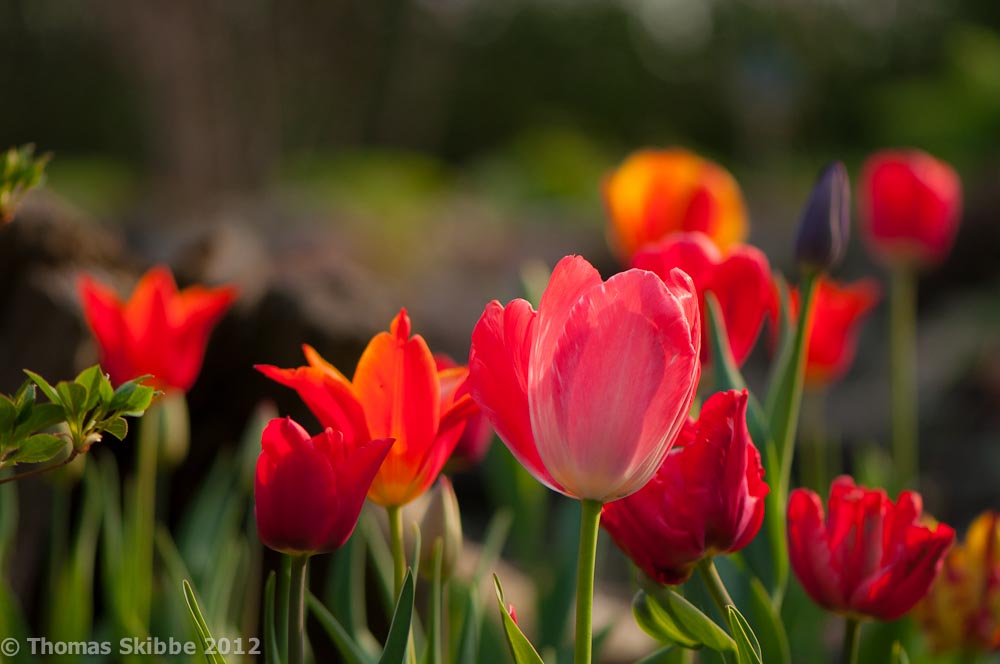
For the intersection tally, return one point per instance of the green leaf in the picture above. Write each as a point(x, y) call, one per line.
point(468, 637)
point(116, 427)
point(200, 626)
point(667, 616)
point(132, 398)
point(44, 386)
point(399, 630)
point(73, 398)
point(520, 646)
point(39, 418)
point(899, 655)
point(271, 653)
point(769, 625)
point(8, 417)
point(36, 449)
point(433, 652)
point(346, 646)
point(90, 380)
point(746, 641)
point(24, 399)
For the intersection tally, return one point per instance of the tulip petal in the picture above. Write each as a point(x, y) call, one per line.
point(571, 278)
point(103, 311)
point(809, 550)
point(498, 379)
point(610, 396)
point(332, 402)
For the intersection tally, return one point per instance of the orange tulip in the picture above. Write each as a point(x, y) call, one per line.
point(396, 392)
point(655, 193)
point(158, 331)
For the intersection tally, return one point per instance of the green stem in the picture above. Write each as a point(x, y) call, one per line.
point(589, 528)
point(150, 432)
point(787, 415)
point(816, 450)
point(281, 610)
point(852, 632)
point(297, 610)
point(713, 582)
point(396, 543)
point(902, 340)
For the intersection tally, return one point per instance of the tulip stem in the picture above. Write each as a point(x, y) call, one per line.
point(902, 339)
point(297, 610)
point(395, 514)
point(713, 582)
point(589, 528)
point(852, 632)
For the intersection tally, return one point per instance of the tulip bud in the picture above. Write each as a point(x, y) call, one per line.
point(825, 224)
point(173, 428)
point(438, 516)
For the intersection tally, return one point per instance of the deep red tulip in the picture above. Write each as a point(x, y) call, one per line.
point(397, 392)
point(158, 331)
point(308, 492)
point(838, 312)
point(911, 204)
point(869, 557)
point(656, 193)
point(589, 392)
point(478, 434)
point(707, 498)
point(741, 280)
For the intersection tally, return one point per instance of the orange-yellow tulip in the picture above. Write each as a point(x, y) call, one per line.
point(655, 193)
point(396, 392)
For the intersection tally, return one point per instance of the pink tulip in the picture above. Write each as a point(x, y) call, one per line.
point(590, 391)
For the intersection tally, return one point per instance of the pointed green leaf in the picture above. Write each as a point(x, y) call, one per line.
point(468, 637)
point(44, 386)
point(90, 380)
point(656, 622)
point(346, 646)
point(399, 629)
point(520, 646)
point(73, 398)
point(769, 625)
point(433, 652)
point(899, 655)
point(8, 417)
point(36, 449)
point(271, 653)
point(39, 418)
point(132, 398)
point(746, 641)
point(677, 616)
point(117, 427)
point(200, 626)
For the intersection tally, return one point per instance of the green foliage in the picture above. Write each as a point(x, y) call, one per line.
point(670, 618)
point(201, 627)
point(20, 172)
point(520, 646)
point(399, 630)
point(88, 407)
point(747, 645)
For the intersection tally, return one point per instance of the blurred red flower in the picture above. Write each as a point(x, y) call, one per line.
point(741, 280)
point(838, 312)
point(308, 492)
point(397, 392)
point(158, 331)
point(869, 557)
point(655, 193)
point(707, 498)
point(911, 204)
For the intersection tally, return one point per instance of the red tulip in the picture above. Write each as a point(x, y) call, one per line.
point(589, 392)
point(741, 280)
point(911, 204)
point(309, 491)
point(397, 392)
point(478, 434)
point(838, 311)
point(656, 193)
point(159, 331)
point(707, 498)
point(870, 557)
